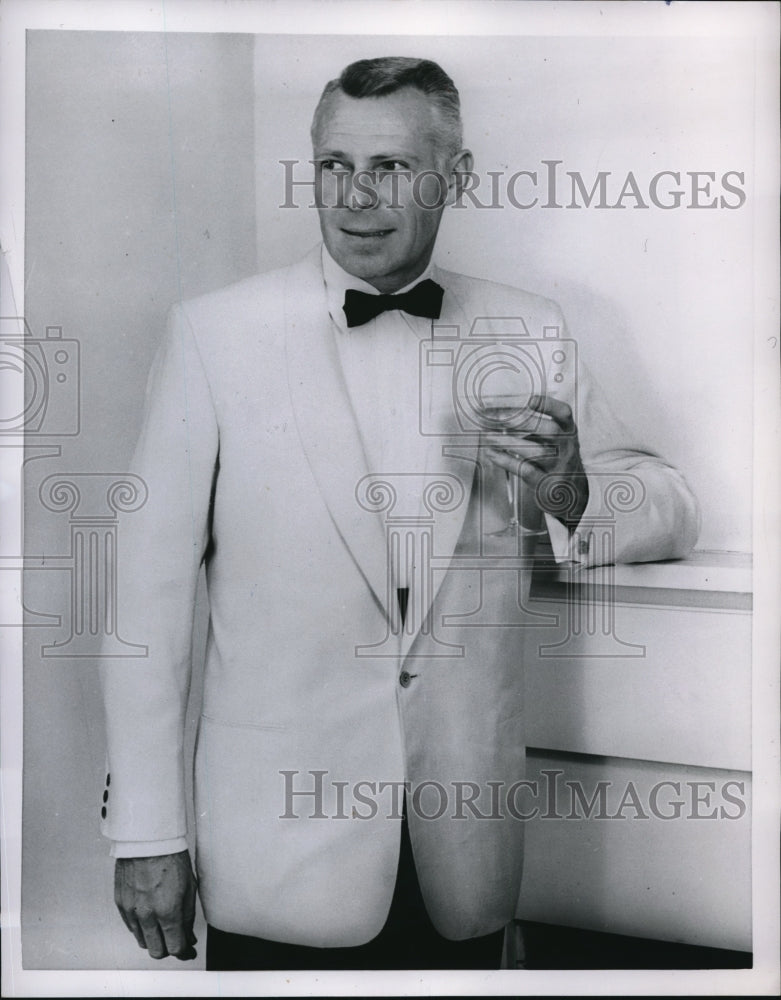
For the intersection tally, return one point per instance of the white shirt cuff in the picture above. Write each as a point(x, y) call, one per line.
point(147, 848)
point(568, 547)
point(559, 538)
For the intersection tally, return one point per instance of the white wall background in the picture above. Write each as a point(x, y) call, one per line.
point(139, 183)
point(659, 301)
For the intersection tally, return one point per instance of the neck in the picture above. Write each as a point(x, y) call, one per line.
point(388, 284)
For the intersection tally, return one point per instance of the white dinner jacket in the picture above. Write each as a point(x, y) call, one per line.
point(254, 464)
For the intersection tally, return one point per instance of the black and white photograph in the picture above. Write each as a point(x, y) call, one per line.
point(390, 498)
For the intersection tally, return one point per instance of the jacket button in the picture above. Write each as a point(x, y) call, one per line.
point(108, 779)
point(405, 679)
point(103, 812)
point(105, 796)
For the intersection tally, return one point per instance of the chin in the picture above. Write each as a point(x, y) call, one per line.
point(367, 264)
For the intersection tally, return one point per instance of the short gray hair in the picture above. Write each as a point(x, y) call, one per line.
point(386, 75)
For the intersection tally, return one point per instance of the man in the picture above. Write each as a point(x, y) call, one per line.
point(303, 441)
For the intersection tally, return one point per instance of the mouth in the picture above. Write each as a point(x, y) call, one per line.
point(366, 234)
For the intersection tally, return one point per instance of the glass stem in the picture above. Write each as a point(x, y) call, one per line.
point(512, 496)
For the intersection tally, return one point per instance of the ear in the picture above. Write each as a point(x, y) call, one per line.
point(459, 171)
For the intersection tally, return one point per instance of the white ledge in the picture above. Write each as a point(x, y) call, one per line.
point(710, 570)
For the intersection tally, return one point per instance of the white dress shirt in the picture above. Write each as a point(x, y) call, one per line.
point(387, 386)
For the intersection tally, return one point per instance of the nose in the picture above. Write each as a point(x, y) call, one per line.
point(363, 190)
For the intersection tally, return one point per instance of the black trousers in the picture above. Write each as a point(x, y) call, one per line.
point(407, 941)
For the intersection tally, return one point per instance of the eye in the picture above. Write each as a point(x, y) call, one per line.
point(332, 165)
point(392, 166)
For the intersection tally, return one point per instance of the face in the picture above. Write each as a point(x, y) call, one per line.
point(369, 154)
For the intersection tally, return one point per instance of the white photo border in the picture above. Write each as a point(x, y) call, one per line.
point(756, 20)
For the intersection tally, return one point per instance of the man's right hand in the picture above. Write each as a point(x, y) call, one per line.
point(156, 898)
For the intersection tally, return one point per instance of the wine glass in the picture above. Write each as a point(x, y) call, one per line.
point(508, 413)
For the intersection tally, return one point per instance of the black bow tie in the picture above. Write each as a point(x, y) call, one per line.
point(425, 299)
